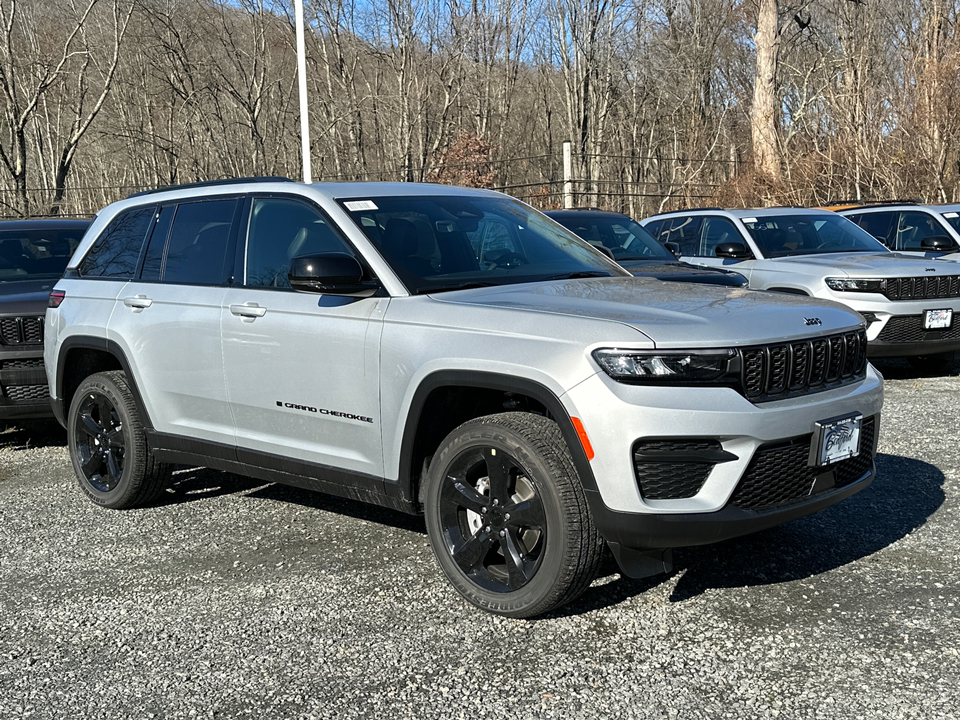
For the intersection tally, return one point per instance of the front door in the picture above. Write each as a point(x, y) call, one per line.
point(302, 369)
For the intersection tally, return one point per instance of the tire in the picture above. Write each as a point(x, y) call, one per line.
point(108, 447)
point(938, 364)
point(507, 516)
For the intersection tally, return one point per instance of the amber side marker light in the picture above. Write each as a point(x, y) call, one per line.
point(56, 297)
point(584, 440)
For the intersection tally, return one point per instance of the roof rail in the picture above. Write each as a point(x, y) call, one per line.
point(693, 209)
point(212, 183)
point(873, 203)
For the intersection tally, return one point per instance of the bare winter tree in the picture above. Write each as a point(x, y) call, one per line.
point(58, 61)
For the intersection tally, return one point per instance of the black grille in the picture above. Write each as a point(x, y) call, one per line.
point(772, 372)
point(779, 475)
point(21, 330)
point(28, 364)
point(673, 469)
point(26, 393)
point(921, 288)
point(909, 329)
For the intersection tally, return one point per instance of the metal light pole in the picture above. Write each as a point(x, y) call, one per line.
point(302, 83)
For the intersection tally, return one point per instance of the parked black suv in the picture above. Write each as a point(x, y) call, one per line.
point(636, 250)
point(33, 254)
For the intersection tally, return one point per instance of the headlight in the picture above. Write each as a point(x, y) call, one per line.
point(855, 284)
point(642, 366)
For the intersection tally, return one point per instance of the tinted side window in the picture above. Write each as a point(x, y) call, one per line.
point(199, 237)
point(914, 228)
point(116, 252)
point(654, 229)
point(879, 224)
point(685, 231)
point(491, 240)
point(153, 257)
point(717, 230)
point(280, 230)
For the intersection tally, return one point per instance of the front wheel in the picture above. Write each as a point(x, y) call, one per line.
point(108, 446)
point(507, 516)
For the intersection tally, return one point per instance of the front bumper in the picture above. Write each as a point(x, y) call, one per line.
point(895, 328)
point(23, 385)
point(764, 444)
point(904, 335)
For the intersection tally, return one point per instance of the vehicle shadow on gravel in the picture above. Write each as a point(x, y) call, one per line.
point(32, 434)
point(850, 531)
point(341, 506)
point(901, 369)
point(905, 493)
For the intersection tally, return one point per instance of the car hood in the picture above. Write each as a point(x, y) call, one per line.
point(682, 272)
point(867, 264)
point(668, 314)
point(25, 296)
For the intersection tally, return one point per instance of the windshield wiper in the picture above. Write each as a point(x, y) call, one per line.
point(579, 274)
point(462, 286)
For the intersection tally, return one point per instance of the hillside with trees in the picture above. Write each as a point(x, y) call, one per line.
point(667, 103)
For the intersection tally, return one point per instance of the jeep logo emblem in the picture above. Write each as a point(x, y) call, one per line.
point(812, 321)
point(931, 269)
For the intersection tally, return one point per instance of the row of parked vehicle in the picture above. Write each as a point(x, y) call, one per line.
point(541, 396)
point(908, 300)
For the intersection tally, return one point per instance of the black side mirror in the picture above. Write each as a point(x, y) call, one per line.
point(736, 250)
point(673, 247)
point(330, 273)
point(939, 242)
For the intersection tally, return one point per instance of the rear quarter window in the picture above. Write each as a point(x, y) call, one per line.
point(116, 252)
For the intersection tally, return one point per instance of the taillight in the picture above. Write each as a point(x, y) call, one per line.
point(56, 297)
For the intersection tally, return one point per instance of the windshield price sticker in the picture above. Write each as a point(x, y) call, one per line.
point(835, 440)
point(357, 205)
point(937, 319)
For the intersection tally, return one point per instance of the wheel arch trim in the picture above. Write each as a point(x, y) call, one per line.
point(89, 342)
point(489, 381)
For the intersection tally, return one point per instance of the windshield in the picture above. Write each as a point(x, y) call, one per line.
point(953, 217)
point(622, 236)
point(437, 243)
point(787, 235)
point(36, 252)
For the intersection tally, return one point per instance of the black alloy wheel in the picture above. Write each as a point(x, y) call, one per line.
point(98, 438)
point(108, 446)
point(507, 515)
point(493, 519)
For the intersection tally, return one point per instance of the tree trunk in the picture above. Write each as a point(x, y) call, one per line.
point(766, 111)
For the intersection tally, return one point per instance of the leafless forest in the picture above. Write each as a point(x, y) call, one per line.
point(667, 102)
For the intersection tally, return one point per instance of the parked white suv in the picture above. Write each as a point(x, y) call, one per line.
point(451, 352)
point(910, 303)
point(910, 228)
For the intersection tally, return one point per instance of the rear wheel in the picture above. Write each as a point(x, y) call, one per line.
point(938, 364)
point(108, 446)
point(507, 516)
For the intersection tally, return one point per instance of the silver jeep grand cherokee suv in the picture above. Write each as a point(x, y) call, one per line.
point(455, 353)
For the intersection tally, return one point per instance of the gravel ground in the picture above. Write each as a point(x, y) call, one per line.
point(235, 599)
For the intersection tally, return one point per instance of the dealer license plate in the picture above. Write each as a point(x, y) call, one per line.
point(934, 319)
point(836, 439)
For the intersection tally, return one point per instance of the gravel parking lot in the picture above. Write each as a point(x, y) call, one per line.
point(236, 599)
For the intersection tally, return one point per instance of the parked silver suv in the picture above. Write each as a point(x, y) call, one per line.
point(910, 303)
point(452, 352)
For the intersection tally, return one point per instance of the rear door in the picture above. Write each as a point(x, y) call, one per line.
point(168, 318)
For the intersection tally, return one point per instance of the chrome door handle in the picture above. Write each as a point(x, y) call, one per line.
point(138, 302)
point(248, 311)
